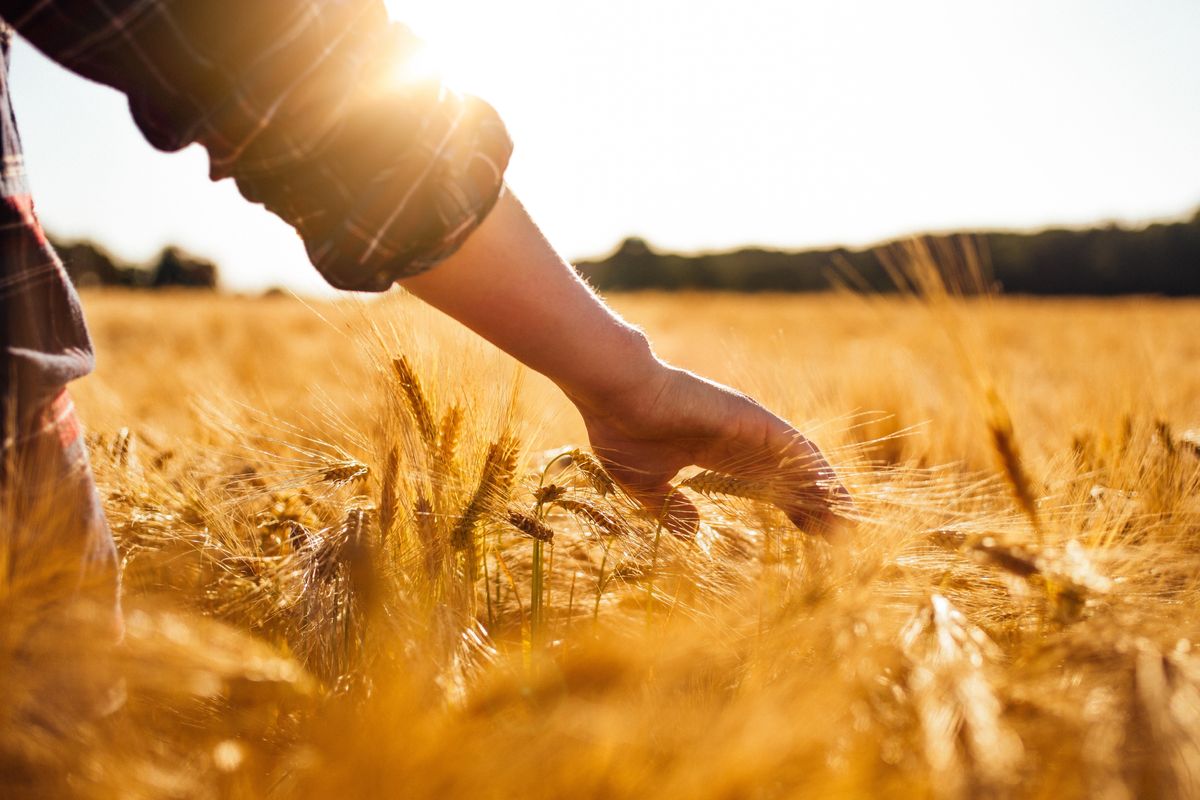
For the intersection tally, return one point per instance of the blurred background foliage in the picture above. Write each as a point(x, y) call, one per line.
point(1158, 259)
point(1162, 258)
point(89, 264)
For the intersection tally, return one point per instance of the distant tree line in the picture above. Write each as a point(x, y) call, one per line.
point(91, 265)
point(1162, 259)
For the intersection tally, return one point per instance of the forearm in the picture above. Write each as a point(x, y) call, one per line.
point(645, 420)
point(509, 285)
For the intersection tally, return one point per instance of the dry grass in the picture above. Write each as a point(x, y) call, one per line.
point(358, 563)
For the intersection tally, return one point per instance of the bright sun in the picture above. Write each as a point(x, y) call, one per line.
point(447, 52)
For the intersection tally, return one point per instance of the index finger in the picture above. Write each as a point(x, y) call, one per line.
point(810, 492)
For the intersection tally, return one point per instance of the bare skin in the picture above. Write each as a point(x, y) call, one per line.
point(646, 419)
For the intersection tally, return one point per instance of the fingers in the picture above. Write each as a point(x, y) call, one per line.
point(810, 492)
point(761, 455)
point(820, 518)
point(659, 498)
point(671, 508)
point(667, 505)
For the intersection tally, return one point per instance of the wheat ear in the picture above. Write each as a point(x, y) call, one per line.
point(530, 525)
point(449, 434)
point(495, 482)
point(603, 520)
point(594, 471)
point(1005, 446)
point(418, 402)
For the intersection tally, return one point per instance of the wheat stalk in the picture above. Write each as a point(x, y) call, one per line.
point(967, 744)
point(790, 493)
point(426, 524)
point(545, 495)
point(1067, 573)
point(388, 497)
point(495, 482)
point(359, 559)
point(339, 473)
point(530, 525)
point(1190, 440)
point(1005, 447)
point(1167, 701)
point(593, 471)
point(586, 510)
point(449, 433)
point(713, 484)
point(418, 402)
point(1162, 431)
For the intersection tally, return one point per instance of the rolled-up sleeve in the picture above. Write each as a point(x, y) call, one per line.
point(313, 108)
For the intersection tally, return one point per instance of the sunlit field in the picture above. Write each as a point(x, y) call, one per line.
point(365, 555)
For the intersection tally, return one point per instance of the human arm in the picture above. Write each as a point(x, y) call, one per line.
point(646, 419)
point(384, 178)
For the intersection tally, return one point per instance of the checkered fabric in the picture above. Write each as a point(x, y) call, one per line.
point(304, 103)
point(307, 104)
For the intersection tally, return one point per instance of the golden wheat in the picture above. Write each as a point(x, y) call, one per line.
point(300, 628)
point(530, 525)
point(418, 403)
point(495, 480)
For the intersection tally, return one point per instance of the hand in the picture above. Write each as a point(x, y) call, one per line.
point(673, 419)
point(646, 420)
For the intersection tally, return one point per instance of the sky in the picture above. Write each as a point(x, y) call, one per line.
point(714, 124)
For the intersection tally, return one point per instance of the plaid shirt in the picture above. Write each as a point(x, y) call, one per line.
point(304, 103)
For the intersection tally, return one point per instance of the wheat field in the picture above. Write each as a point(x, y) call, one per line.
point(365, 555)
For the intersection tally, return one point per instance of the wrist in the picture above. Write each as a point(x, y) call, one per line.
point(624, 370)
